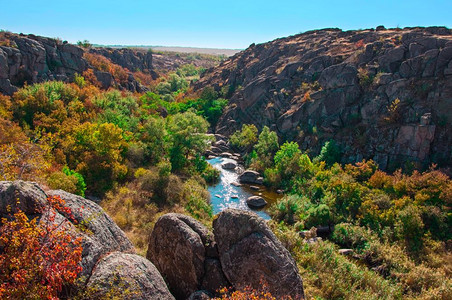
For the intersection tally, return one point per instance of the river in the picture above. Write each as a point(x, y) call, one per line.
point(225, 195)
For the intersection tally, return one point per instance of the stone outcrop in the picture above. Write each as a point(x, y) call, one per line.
point(31, 59)
point(344, 85)
point(251, 254)
point(108, 257)
point(131, 59)
point(248, 254)
point(106, 236)
point(184, 252)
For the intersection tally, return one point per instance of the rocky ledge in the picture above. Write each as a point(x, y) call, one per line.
point(186, 260)
point(31, 59)
point(382, 94)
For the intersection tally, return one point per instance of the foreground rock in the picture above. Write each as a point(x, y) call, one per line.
point(251, 253)
point(105, 246)
point(127, 276)
point(182, 249)
point(256, 202)
point(250, 176)
point(248, 253)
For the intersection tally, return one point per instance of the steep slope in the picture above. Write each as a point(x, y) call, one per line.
point(384, 94)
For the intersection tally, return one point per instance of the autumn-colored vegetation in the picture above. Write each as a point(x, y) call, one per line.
point(38, 257)
point(138, 152)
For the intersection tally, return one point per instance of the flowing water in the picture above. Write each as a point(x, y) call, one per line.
point(225, 195)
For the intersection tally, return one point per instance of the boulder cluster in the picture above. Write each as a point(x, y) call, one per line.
point(108, 258)
point(241, 251)
point(186, 260)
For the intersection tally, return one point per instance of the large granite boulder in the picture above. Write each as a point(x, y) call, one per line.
point(127, 276)
point(101, 235)
point(256, 202)
point(183, 251)
point(251, 254)
point(26, 196)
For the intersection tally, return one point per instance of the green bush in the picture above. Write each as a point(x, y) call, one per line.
point(245, 138)
point(330, 153)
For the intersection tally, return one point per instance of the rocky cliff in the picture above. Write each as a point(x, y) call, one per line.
point(30, 59)
point(383, 94)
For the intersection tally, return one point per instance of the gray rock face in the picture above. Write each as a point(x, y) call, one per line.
point(200, 295)
point(35, 59)
point(250, 252)
point(128, 276)
point(256, 202)
point(351, 78)
point(177, 248)
point(133, 60)
point(26, 196)
point(106, 236)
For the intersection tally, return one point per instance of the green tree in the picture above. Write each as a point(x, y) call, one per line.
point(96, 151)
point(330, 153)
point(245, 138)
point(266, 147)
point(187, 135)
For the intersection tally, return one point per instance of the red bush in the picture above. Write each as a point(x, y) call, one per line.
point(38, 258)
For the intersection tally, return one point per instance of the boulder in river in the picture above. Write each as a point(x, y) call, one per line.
point(256, 202)
point(250, 176)
point(251, 254)
point(226, 154)
point(229, 165)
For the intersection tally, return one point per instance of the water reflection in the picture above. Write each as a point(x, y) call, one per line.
point(225, 195)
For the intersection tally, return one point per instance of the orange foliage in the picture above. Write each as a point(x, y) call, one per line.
point(359, 44)
point(102, 63)
point(248, 293)
point(91, 78)
point(38, 257)
point(143, 78)
point(306, 97)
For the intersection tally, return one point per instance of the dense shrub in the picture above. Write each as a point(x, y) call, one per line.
point(38, 258)
point(245, 138)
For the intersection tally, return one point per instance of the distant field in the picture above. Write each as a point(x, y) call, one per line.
point(212, 51)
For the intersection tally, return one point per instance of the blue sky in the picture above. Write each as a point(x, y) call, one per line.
point(218, 24)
